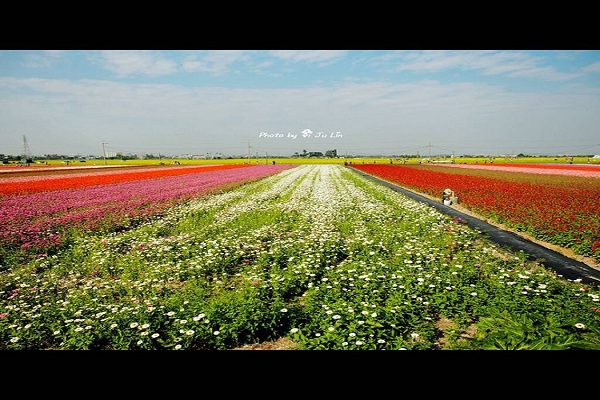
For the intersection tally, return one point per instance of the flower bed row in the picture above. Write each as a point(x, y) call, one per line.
point(10, 186)
point(586, 171)
point(561, 210)
point(38, 222)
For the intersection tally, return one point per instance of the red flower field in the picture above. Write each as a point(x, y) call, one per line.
point(557, 208)
point(41, 181)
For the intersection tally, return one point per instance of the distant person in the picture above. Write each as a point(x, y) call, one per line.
point(446, 197)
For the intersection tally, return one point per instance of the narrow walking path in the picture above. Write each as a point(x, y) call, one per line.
point(563, 265)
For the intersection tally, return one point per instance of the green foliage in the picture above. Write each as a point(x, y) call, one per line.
point(505, 331)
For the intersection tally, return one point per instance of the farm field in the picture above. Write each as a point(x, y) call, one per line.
point(556, 204)
point(314, 256)
point(492, 160)
point(38, 213)
point(51, 179)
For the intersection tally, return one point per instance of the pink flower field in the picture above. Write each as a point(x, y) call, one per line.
point(586, 171)
point(38, 221)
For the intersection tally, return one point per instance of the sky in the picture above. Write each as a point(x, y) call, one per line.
point(238, 103)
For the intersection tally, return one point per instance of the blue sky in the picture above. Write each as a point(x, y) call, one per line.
point(231, 103)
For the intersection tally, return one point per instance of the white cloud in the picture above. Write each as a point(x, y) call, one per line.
point(373, 117)
point(310, 56)
point(593, 68)
point(216, 62)
point(45, 58)
point(131, 62)
point(510, 63)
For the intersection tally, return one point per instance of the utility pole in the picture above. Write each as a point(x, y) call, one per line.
point(27, 157)
point(104, 152)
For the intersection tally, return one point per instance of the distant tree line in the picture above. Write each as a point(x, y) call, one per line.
point(315, 154)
